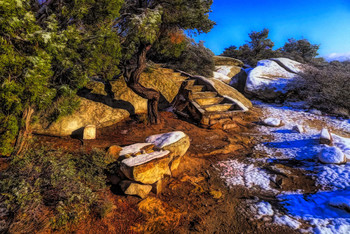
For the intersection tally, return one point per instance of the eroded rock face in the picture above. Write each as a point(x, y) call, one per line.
point(89, 132)
point(147, 168)
point(132, 188)
point(227, 61)
point(270, 79)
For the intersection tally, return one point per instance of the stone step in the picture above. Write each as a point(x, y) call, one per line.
point(209, 101)
point(195, 88)
point(190, 83)
point(218, 107)
point(204, 95)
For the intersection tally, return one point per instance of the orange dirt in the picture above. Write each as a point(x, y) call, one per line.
point(195, 199)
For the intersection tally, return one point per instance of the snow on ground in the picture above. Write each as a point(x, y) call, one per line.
point(236, 173)
point(333, 180)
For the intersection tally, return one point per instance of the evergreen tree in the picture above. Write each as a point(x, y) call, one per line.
point(300, 50)
point(142, 24)
point(48, 49)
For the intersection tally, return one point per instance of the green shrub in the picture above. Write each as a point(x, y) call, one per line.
point(66, 185)
point(326, 88)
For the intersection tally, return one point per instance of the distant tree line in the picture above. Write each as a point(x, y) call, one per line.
point(261, 47)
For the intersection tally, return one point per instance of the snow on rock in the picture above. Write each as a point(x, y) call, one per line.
point(222, 77)
point(298, 129)
point(133, 149)
point(268, 80)
point(272, 122)
point(162, 140)
point(292, 65)
point(227, 70)
point(342, 143)
point(236, 173)
point(325, 137)
point(332, 154)
point(341, 203)
point(144, 158)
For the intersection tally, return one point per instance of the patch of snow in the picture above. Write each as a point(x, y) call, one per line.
point(332, 154)
point(162, 140)
point(264, 208)
point(236, 173)
point(286, 220)
point(225, 70)
point(222, 77)
point(133, 149)
point(144, 158)
point(316, 209)
point(325, 135)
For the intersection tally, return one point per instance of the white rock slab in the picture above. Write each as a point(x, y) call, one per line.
point(133, 149)
point(162, 140)
point(144, 158)
point(298, 129)
point(325, 137)
point(332, 155)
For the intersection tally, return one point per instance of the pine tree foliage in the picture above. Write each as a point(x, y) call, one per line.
point(48, 49)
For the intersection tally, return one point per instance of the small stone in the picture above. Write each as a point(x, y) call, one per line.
point(315, 112)
point(159, 186)
point(326, 137)
point(131, 188)
point(332, 155)
point(272, 122)
point(298, 129)
point(89, 132)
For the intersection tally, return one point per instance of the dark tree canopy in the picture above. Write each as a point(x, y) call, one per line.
point(301, 50)
point(145, 23)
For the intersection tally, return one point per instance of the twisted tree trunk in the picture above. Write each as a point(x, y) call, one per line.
point(25, 131)
point(132, 75)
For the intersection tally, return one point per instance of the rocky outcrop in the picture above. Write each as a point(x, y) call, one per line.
point(147, 165)
point(104, 104)
point(227, 61)
point(271, 78)
point(239, 80)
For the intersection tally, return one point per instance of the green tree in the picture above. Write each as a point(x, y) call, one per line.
point(48, 49)
point(300, 50)
point(142, 24)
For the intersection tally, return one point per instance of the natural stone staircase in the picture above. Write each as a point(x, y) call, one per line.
point(199, 101)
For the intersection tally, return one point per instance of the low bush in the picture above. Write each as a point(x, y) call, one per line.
point(326, 88)
point(50, 188)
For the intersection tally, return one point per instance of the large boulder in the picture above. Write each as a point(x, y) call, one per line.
point(332, 155)
point(104, 104)
point(240, 79)
point(269, 80)
point(226, 68)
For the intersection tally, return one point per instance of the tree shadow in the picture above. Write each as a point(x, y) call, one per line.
point(107, 99)
point(292, 144)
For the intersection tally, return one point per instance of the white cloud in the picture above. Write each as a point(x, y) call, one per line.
point(338, 56)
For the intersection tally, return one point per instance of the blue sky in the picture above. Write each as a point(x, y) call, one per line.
point(325, 22)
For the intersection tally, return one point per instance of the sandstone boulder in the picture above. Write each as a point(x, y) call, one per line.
point(147, 168)
point(177, 143)
point(114, 151)
point(136, 149)
point(132, 188)
point(332, 155)
point(104, 104)
point(227, 61)
point(269, 80)
point(222, 77)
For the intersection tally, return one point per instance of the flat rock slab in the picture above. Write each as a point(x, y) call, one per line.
point(135, 148)
point(165, 139)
